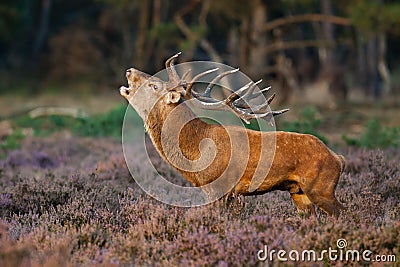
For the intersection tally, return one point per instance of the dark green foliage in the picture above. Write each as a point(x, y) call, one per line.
point(10, 14)
point(375, 135)
point(308, 123)
point(371, 17)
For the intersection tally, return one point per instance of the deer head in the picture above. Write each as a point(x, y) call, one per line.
point(145, 90)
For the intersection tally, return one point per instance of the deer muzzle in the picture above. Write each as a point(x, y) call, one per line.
point(125, 91)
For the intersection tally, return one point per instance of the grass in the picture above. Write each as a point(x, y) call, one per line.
point(106, 124)
point(375, 135)
point(11, 142)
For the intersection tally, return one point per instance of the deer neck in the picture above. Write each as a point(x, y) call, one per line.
point(169, 125)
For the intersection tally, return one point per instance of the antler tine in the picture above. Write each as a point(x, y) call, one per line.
point(235, 96)
point(267, 116)
point(196, 78)
point(271, 98)
point(238, 92)
point(245, 111)
point(169, 65)
point(251, 89)
point(248, 95)
point(246, 114)
point(279, 112)
point(257, 94)
point(211, 85)
point(214, 104)
point(257, 108)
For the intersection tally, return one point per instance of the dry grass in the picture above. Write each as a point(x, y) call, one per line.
point(68, 202)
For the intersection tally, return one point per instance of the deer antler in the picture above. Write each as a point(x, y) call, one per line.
point(237, 101)
point(172, 74)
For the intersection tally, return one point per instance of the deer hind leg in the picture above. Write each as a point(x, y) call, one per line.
point(322, 194)
point(329, 204)
point(303, 204)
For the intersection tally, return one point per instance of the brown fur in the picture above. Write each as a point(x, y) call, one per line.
point(302, 164)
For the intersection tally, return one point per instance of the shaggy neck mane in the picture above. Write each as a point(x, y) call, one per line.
point(193, 131)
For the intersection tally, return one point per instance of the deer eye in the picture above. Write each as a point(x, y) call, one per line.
point(154, 86)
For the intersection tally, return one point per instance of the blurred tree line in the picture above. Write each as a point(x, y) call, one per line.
point(293, 42)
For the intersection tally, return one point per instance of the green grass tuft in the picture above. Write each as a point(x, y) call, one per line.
point(11, 142)
point(375, 136)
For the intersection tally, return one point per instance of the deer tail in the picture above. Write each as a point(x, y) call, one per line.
point(342, 163)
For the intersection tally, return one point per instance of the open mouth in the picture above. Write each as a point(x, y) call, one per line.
point(124, 91)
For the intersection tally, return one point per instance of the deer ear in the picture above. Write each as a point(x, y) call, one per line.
point(172, 97)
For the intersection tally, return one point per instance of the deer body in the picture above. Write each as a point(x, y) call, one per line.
point(302, 164)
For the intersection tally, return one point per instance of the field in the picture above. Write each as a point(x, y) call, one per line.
point(67, 196)
point(68, 199)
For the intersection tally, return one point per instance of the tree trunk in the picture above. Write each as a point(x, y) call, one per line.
point(362, 70)
point(367, 60)
point(332, 66)
point(157, 12)
point(244, 44)
point(142, 56)
point(233, 47)
point(326, 53)
point(382, 65)
point(43, 30)
point(258, 40)
point(373, 75)
point(158, 51)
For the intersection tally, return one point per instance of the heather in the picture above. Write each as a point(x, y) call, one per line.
point(70, 201)
point(66, 195)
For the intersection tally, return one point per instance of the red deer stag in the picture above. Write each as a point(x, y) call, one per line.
point(301, 163)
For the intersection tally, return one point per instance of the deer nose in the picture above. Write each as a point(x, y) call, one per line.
point(124, 91)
